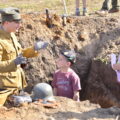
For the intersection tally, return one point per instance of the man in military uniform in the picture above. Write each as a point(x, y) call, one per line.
point(12, 78)
point(105, 8)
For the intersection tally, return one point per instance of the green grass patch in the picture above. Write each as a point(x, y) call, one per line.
point(54, 5)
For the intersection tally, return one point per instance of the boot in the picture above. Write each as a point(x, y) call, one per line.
point(113, 10)
point(77, 12)
point(85, 12)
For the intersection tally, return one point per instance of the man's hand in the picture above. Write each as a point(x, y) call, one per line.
point(40, 45)
point(20, 60)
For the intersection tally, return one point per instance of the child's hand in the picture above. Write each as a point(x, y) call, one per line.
point(76, 96)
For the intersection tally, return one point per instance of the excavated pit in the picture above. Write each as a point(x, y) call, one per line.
point(93, 38)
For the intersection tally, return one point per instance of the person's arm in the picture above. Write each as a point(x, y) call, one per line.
point(76, 86)
point(114, 65)
point(34, 50)
point(76, 96)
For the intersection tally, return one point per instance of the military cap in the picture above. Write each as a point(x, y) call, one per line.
point(70, 55)
point(10, 14)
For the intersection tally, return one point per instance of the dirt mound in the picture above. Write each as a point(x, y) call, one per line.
point(93, 38)
point(67, 110)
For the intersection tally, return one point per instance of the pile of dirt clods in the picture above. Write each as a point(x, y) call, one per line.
point(93, 38)
point(66, 110)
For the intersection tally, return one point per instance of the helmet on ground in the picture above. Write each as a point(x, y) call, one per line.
point(42, 91)
point(70, 55)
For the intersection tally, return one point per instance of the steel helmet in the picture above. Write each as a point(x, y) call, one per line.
point(42, 91)
point(70, 55)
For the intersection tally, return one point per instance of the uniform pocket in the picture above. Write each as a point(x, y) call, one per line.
point(12, 75)
point(10, 53)
point(9, 80)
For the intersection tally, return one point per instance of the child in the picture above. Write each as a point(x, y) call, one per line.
point(66, 82)
point(77, 11)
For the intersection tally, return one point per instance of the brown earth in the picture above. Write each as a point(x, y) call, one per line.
point(67, 110)
point(93, 38)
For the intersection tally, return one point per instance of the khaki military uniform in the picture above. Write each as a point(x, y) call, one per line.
point(12, 77)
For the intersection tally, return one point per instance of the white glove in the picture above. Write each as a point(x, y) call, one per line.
point(40, 45)
point(20, 60)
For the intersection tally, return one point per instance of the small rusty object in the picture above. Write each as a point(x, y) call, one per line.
point(47, 104)
point(48, 19)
